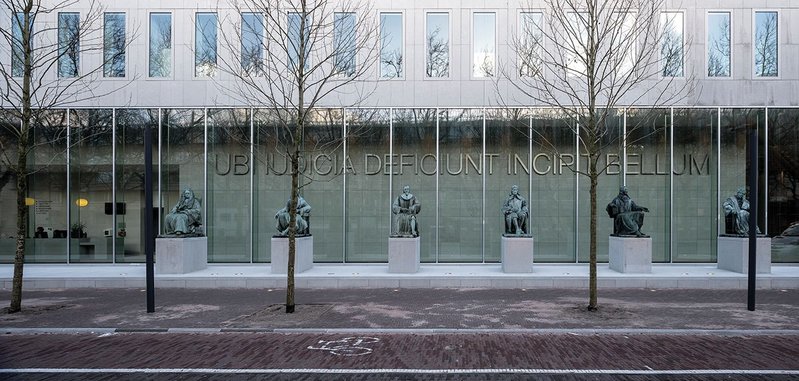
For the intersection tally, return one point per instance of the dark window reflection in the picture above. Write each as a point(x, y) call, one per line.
point(252, 39)
point(68, 44)
point(205, 45)
point(344, 38)
point(766, 44)
point(718, 44)
point(160, 45)
point(114, 45)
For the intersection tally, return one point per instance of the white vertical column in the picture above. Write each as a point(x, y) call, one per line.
point(718, 169)
point(671, 187)
point(69, 187)
point(483, 206)
point(438, 168)
point(344, 186)
point(390, 155)
point(577, 193)
point(765, 169)
point(252, 185)
point(205, 169)
point(114, 185)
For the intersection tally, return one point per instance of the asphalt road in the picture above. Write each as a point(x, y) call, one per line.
point(469, 355)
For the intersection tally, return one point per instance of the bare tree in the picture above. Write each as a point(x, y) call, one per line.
point(42, 72)
point(597, 56)
point(437, 54)
point(290, 57)
point(766, 44)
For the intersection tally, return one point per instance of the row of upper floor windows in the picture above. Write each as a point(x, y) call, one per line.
point(252, 33)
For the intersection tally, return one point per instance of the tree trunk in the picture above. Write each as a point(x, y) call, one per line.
point(292, 230)
point(592, 291)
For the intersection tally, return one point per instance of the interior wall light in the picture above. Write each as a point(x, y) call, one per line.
point(29, 201)
point(81, 202)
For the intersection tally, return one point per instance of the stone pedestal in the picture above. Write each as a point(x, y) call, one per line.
point(517, 254)
point(734, 254)
point(303, 259)
point(630, 254)
point(404, 255)
point(180, 255)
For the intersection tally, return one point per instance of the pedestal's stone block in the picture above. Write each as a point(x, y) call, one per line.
point(404, 254)
point(630, 254)
point(517, 254)
point(734, 254)
point(180, 255)
point(303, 259)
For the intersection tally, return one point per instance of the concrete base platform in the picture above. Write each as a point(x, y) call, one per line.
point(180, 255)
point(303, 259)
point(517, 254)
point(404, 255)
point(630, 254)
point(733, 254)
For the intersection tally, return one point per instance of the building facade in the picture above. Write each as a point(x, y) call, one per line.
point(444, 122)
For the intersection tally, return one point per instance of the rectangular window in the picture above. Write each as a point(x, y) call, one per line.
point(297, 40)
point(344, 38)
point(718, 44)
point(252, 42)
point(68, 44)
point(671, 48)
point(766, 44)
point(114, 45)
point(577, 36)
point(160, 64)
point(391, 45)
point(205, 30)
point(437, 44)
point(531, 43)
point(484, 28)
point(17, 51)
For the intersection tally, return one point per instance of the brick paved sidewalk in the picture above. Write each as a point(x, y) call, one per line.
point(406, 309)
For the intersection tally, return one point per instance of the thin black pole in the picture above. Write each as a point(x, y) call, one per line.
point(753, 198)
point(148, 220)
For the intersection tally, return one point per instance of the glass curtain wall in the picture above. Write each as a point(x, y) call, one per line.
point(506, 163)
point(608, 187)
point(648, 162)
point(694, 192)
point(552, 201)
point(368, 191)
point(129, 168)
point(735, 124)
point(48, 191)
point(271, 179)
point(91, 186)
point(415, 138)
point(783, 177)
point(182, 154)
point(9, 136)
point(322, 183)
point(460, 188)
point(229, 205)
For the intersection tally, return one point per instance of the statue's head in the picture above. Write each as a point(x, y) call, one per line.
point(623, 189)
point(740, 193)
point(406, 189)
point(188, 194)
point(514, 190)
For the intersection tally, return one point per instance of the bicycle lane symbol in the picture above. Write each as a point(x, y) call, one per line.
point(348, 346)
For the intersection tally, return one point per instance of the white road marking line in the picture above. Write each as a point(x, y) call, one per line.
point(413, 371)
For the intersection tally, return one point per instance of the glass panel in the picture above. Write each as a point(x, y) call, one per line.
point(368, 215)
point(437, 43)
point(460, 186)
point(68, 44)
point(205, 45)
point(531, 38)
point(695, 192)
point(272, 180)
point(9, 138)
point(17, 51)
point(252, 40)
point(648, 163)
point(766, 44)
point(391, 45)
point(507, 163)
point(322, 185)
point(114, 45)
point(91, 186)
point(552, 204)
point(182, 158)
point(296, 40)
point(229, 204)
point(734, 157)
point(607, 189)
point(415, 141)
point(671, 48)
point(484, 45)
point(718, 44)
point(783, 178)
point(576, 54)
point(160, 45)
point(344, 38)
point(130, 213)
